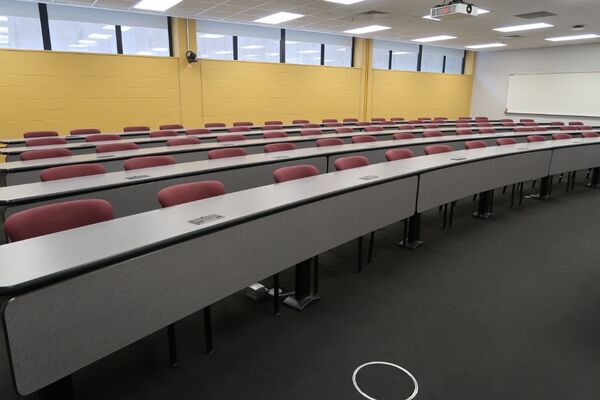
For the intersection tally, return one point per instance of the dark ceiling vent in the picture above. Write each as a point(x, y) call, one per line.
point(535, 15)
point(373, 13)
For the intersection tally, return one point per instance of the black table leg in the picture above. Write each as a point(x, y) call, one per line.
point(302, 295)
point(545, 189)
point(484, 207)
point(412, 239)
point(595, 182)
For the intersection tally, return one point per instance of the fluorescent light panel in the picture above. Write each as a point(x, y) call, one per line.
point(3, 18)
point(252, 47)
point(211, 36)
point(574, 37)
point(344, 2)
point(99, 36)
point(367, 29)
point(278, 18)
point(399, 53)
point(156, 5)
point(434, 39)
point(526, 27)
point(486, 46)
point(3, 29)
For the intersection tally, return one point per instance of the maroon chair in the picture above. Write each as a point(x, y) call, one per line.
point(539, 129)
point(39, 134)
point(230, 138)
point(170, 127)
point(274, 135)
point(463, 132)
point(198, 131)
point(363, 139)
point(378, 119)
point(484, 125)
point(535, 138)
point(463, 125)
point(239, 129)
point(71, 171)
point(486, 131)
point(332, 124)
point(268, 123)
point(568, 128)
point(148, 162)
point(53, 218)
point(46, 153)
point(431, 126)
point(590, 134)
point(226, 153)
point(109, 148)
point(424, 119)
point(275, 147)
point(243, 123)
point(403, 135)
point(183, 141)
point(45, 141)
point(327, 120)
point(140, 128)
point(528, 123)
point(505, 141)
point(509, 124)
point(464, 118)
point(475, 144)
point(561, 136)
point(101, 138)
point(584, 128)
point(406, 127)
point(364, 123)
point(84, 131)
point(398, 154)
point(300, 121)
point(427, 134)
point(481, 118)
point(437, 149)
point(163, 133)
point(311, 126)
point(310, 132)
point(523, 129)
point(285, 174)
point(557, 123)
point(415, 122)
point(272, 127)
point(215, 125)
point(575, 123)
point(440, 119)
point(396, 119)
point(344, 130)
point(523, 120)
point(329, 142)
point(350, 120)
point(506, 120)
point(373, 128)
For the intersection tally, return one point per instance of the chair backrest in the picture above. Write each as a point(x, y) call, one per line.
point(300, 121)
point(487, 130)
point(329, 120)
point(590, 134)
point(225, 153)
point(53, 218)
point(46, 153)
point(505, 141)
point(329, 142)
point(437, 149)
point(557, 123)
point(463, 132)
point(475, 144)
point(267, 123)
point(481, 118)
point(332, 124)
point(139, 128)
point(148, 162)
point(310, 126)
point(523, 129)
point(45, 141)
point(373, 128)
point(406, 127)
point(539, 129)
point(230, 138)
point(101, 138)
point(364, 123)
point(575, 123)
point(378, 119)
point(243, 123)
point(239, 129)
point(403, 135)
point(396, 119)
point(509, 124)
point(424, 119)
point(350, 119)
point(39, 134)
point(310, 132)
point(568, 128)
point(344, 130)
point(440, 119)
point(363, 139)
point(215, 125)
point(272, 127)
point(183, 141)
point(84, 131)
point(536, 138)
point(415, 122)
point(198, 131)
point(109, 148)
point(506, 120)
point(351, 162)
point(463, 125)
point(188, 192)
point(71, 171)
point(584, 128)
point(163, 133)
point(432, 134)
point(294, 172)
point(274, 134)
point(464, 118)
point(526, 120)
point(561, 136)
point(274, 147)
point(398, 154)
point(484, 124)
point(431, 126)
point(170, 126)
point(530, 123)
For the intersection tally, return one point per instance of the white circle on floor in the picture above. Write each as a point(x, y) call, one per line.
point(415, 383)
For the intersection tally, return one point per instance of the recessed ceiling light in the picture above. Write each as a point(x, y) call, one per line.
point(345, 2)
point(278, 18)
point(525, 27)
point(574, 37)
point(162, 49)
point(3, 18)
point(367, 29)
point(211, 36)
point(308, 51)
point(434, 38)
point(485, 46)
point(252, 47)
point(156, 5)
point(99, 36)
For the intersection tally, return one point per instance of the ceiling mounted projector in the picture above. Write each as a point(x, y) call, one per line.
point(454, 9)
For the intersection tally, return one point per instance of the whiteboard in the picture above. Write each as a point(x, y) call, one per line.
point(573, 94)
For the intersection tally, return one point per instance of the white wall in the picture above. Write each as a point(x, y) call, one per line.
point(493, 68)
